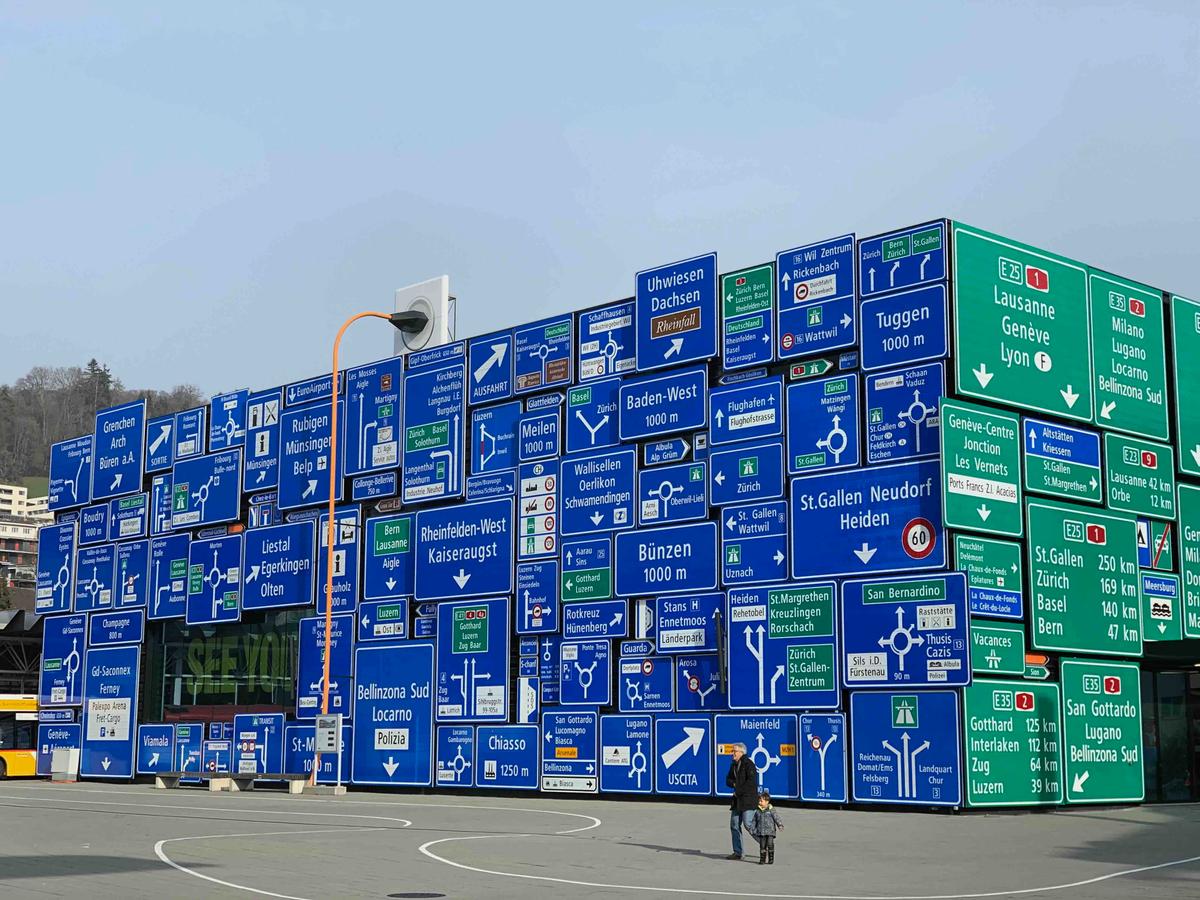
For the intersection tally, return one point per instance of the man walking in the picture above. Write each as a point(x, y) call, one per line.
point(743, 780)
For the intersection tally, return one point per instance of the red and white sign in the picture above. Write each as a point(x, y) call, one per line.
point(1112, 684)
point(1096, 534)
point(1024, 700)
point(1038, 279)
point(919, 538)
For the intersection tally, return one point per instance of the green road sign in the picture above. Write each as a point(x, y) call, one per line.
point(1157, 538)
point(1129, 356)
point(1185, 352)
point(587, 584)
point(1020, 325)
point(1102, 731)
point(994, 574)
point(981, 468)
point(1037, 673)
point(811, 667)
point(801, 611)
point(1139, 477)
point(469, 630)
point(1189, 558)
point(1160, 607)
point(391, 536)
point(997, 649)
point(1083, 577)
point(1049, 469)
point(746, 293)
point(1013, 744)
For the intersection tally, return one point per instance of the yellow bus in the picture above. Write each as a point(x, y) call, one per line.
point(18, 735)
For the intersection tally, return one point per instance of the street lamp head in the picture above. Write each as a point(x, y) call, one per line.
point(410, 321)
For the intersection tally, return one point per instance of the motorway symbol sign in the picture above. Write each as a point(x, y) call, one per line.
point(132, 564)
point(94, 574)
point(676, 313)
point(1140, 477)
point(745, 472)
point(227, 420)
point(110, 691)
point(587, 569)
point(981, 462)
point(661, 404)
point(1017, 318)
point(823, 774)
point(346, 558)
point(1189, 566)
point(1160, 607)
point(822, 424)
point(1084, 576)
point(569, 751)
point(168, 576)
point(542, 354)
point(490, 363)
point(994, 576)
point(214, 580)
point(119, 450)
point(607, 341)
point(455, 755)
point(904, 328)
point(258, 743)
point(494, 437)
point(879, 519)
point(688, 624)
point(539, 435)
point(754, 541)
point(434, 415)
point(997, 648)
point(55, 569)
point(1062, 461)
point(626, 746)
point(382, 620)
point(902, 413)
point(906, 747)
point(597, 491)
point(770, 741)
point(1014, 751)
point(465, 550)
point(675, 493)
point(278, 564)
point(160, 448)
point(683, 747)
point(1185, 356)
point(699, 681)
point(745, 412)
point(206, 489)
point(670, 559)
point(1102, 731)
point(304, 456)
point(585, 673)
point(127, 517)
point(646, 684)
point(161, 499)
point(781, 647)
point(299, 742)
point(261, 469)
point(1129, 356)
point(55, 736)
point(310, 665)
point(389, 555)
point(64, 640)
point(816, 297)
point(93, 524)
point(507, 756)
point(472, 661)
point(595, 619)
point(659, 453)
point(901, 259)
point(537, 522)
point(592, 415)
point(155, 748)
point(70, 473)
point(748, 317)
point(393, 715)
point(190, 433)
point(537, 596)
point(371, 429)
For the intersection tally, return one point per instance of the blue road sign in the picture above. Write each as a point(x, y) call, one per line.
point(55, 569)
point(132, 574)
point(754, 541)
point(216, 756)
point(595, 619)
point(207, 489)
point(746, 472)
point(688, 624)
point(585, 672)
point(127, 517)
point(494, 437)
point(863, 521)
point(214, 580)
point(190, 432)
point(548, 400)
point(310, 665)
point(587, 569)
point(110, 691)
point(258, 743)
point(904, 328)
point(659, 453)
point(676, 313)
point(93, 524)
point(626, 746)
point(70, 473)
point(748, 317)
point(822, 424)
point(492, 485)
point(529, 706)
point(111, 629)
point(371, 430)
point(539, 435)
point(261, 469)
point(56, 715)
point(770, 741)
point(160, 446)
point(311, 390)
point(903, 407)
point(816, 297)
point(607, 341)
point(901, 259)
point(300, 747)
point(570, 745)
point(393, 714)
point(548, 649)
point(64, 640)
point(683, 753)
point(434, 416)
point(745, 412)
point(60, 736)
point(277, 566)
point(346, 558)
point(592, 412)
point(94, 573)
point(906, 747)
point(597, 491)
point(671, 559)
point(528, 646)
point(676, 493)
point(490, 363)
point(472, 661)
point(822, 772)
point(389, 557)
point(661, 404)
point(537, 504)
point(227, 420)
point(542, 354)
point(885, 620)
point(465, 551)
point(168, 576)
point(1065, 450)
point(383, 620)
point(304, 451)
point(189, 745)
point(454, 753)
point(424, 627)
point(119, 450)
point(506, 756)
point(263, 511)
point(161, 499)
point(646, 684)
point(537, 596)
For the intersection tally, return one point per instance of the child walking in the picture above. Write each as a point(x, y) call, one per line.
point(766, 825)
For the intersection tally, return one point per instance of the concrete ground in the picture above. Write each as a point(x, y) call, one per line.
point(92, 840)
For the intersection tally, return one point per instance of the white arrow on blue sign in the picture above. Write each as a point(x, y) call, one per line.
point(607, 341)
point(55, 569)
point(597, 491)
point(585, 672)
point(592, 415)
point(542, 354)
point(822, 424)
point(119, 452)
point(190, 432)
point(435, 407)
point(64, 640)
point(168, 576)
point(816, 297)
point(393, 714)
point(754, 541)
point(261, 471)
point(227, 420)
point(160, 446)
point(626, 748)
point(110, 689)
point(675, 493)
point(683, 747)
point(371, 428)
point(595, 619)
point(304, 456)
point(70, 473)
point(465, 550)
point(676, 313)
point(901, 259)
point(214, 580)
point(744, 412)
point(278, 566)
point(207, 489)
point(490, 363)
point(823, 758)
point(902, 413)
point(746, 472)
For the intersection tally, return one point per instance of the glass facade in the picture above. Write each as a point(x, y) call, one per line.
point(1171, 734)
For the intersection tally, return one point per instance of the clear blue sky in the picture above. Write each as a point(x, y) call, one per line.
point(202, 192)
